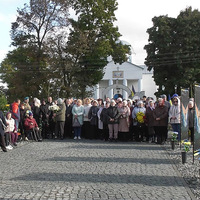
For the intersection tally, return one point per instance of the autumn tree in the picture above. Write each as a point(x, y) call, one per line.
point(92, 38)
point(27, 66)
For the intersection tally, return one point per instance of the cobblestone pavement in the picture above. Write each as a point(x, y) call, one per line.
point(90, 170)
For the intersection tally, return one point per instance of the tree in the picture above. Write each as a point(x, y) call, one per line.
point(51, 58)
point(29, 61)
point(93, 37)
point(173, 50)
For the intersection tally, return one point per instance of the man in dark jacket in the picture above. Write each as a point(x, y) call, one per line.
point(68, 119)
point(104, 119)
point(2, 139)
point(44, 111)
point(113, 120)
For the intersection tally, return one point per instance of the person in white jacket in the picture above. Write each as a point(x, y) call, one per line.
point(10, 132)
point(175, 117)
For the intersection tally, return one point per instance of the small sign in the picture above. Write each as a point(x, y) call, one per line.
point(118, 74)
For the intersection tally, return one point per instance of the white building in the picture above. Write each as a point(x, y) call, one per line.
point(120, 79)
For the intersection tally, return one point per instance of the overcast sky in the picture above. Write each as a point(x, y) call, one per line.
point(133, 19)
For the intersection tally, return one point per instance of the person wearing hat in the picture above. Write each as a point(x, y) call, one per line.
point(31, 125)
point(26, 104)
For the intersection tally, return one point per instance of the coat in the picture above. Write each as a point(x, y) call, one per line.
point(86, 111)
point(100, 123)
point(30, 123)
point(68, 113)
point(104, 116)
point(92, 115)
point(113, 113)
point(79, 111)
point(162, 113)
point(175, 111)
point(4, 122)
point(60, 115)
point(124, 119)
point(149, 117)
point(16, 111)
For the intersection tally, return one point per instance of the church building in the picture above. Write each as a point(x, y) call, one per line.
point(121, 80)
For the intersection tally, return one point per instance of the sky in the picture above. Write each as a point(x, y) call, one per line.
point(133, 20)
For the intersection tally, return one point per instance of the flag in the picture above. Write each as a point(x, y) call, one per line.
point(133, 91)
point(169, 99)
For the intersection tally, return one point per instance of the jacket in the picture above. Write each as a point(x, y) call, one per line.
point(60, 115)
point(149, 117)
point(30, 123)
point(92, 115)
point(175, 111)
point(162, 113)
point(11, 125)
point(15, 111)
point(3, 121)
point(79, 111)
point(113, 113)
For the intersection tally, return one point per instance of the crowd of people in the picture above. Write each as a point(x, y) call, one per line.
point(141, 120)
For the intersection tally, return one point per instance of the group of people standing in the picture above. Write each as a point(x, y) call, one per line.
point(112, 120)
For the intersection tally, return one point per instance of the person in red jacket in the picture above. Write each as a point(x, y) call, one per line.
point(31, 125)
point(15, 110)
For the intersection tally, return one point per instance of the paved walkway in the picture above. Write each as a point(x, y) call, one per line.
point(90, 170)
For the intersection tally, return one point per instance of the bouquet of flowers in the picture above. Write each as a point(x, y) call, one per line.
point(140, 117)
point(186, 145)
point(173, 135)
point(54, 108)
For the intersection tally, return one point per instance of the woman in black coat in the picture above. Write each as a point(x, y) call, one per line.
point(92, 116)
point(2, 139)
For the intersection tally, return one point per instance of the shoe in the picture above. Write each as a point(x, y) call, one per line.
point(4, 150)
point(26, 139)
point(75, 138)
point(110, 139)
point(39, 140)
point(9, 147)
point(79, 137)
point(15, 144)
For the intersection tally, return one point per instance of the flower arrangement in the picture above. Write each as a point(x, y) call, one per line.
point(173, 135)
point(140, 117)
point(186, 145)
point(54, 108)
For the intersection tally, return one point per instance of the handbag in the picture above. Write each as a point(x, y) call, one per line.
point(76, 123)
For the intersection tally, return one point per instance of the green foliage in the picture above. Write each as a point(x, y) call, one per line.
point(65, 62)
point(174, 50)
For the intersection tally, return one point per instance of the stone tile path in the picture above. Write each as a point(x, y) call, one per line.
point(90, 170)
